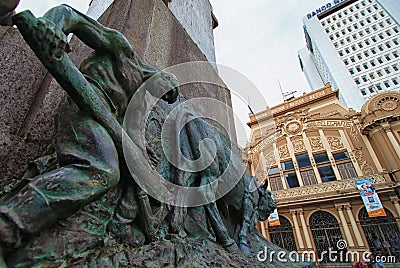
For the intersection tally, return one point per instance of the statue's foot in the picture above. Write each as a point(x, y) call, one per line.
point(47, 40)
point(232, 247)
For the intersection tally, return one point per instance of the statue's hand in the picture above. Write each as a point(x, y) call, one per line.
point(52, 39)
point(47, 38)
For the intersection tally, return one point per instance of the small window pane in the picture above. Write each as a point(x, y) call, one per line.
point(321, 158)
point(288, 165)
point(303, 160)
point(276, 183)
point(291, 180)
point(273, 170)
point(308, 177)
point(326, 174)
point(340, 156)
point(347, 170)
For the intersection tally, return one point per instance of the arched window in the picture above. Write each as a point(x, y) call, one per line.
point(382, 233)
point(326, 233)
point(282, 235)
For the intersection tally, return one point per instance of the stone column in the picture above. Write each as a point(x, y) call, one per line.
point(305, 229)
point(310, 155)
point(297, 229)
point(346, 229)
point(392, 139)
point(296, 167)
point(354, 226)
point(329, 153)
point(372, 153)
point(395, 201)
point(346, 144)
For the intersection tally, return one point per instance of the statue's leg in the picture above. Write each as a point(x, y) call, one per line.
point(89, 167)
point(247, 211)
point(220, 231)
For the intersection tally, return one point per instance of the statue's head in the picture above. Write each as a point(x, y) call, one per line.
point(166, 85)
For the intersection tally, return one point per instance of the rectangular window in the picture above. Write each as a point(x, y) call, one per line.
point(321, 158)
point(275, 183)
point(347, 171)
point(288, 165)
point(274, 170)
point(341, 156)
point(303, 160)
point(308, 177)
point(291, 180)
point(327, 174)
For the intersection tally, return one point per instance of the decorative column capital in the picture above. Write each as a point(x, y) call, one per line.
point(341, 206)
point(386, 127)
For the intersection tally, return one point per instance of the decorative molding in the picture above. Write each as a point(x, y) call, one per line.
point(326, 190)
point(316, 143)
point(335, 143)
point(283, 151)
point(366, 168)
point(299, 146)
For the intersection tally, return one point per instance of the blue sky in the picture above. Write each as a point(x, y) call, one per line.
point(259, 38)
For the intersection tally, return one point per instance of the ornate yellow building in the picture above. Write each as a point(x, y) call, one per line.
point(311, 149)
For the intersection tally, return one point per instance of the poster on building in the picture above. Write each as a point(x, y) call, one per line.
point(273, 219)
point(370, 198)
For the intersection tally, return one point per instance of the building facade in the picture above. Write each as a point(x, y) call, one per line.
point(355, 46)
point(311, 155)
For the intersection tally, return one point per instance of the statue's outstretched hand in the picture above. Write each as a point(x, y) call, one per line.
point(48, 40)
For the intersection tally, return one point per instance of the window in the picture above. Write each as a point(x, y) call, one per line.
point(373, 63)
point(395, 67)
point(327, 173)
point(303, 160)
point(274, 170)
point(347, 171)
point(387, 85)
point(378, 87)
point(372, 76)
point(291, 180)
point(363, 92)
point(321, 158)
point(308, 177)
point(371, 90)
point(275, 183)
point(395, 54)
point(395, 82)
point(288, 165)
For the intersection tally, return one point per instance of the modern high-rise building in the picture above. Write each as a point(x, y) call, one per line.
point(354, 45)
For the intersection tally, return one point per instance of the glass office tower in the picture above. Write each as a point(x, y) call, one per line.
point(354, 45)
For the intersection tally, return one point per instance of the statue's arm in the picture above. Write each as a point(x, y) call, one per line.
point(91, 32)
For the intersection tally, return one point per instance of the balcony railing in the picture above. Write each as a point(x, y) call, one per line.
point(327, 189)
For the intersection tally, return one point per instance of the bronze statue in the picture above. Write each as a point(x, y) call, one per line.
point(80, 207)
